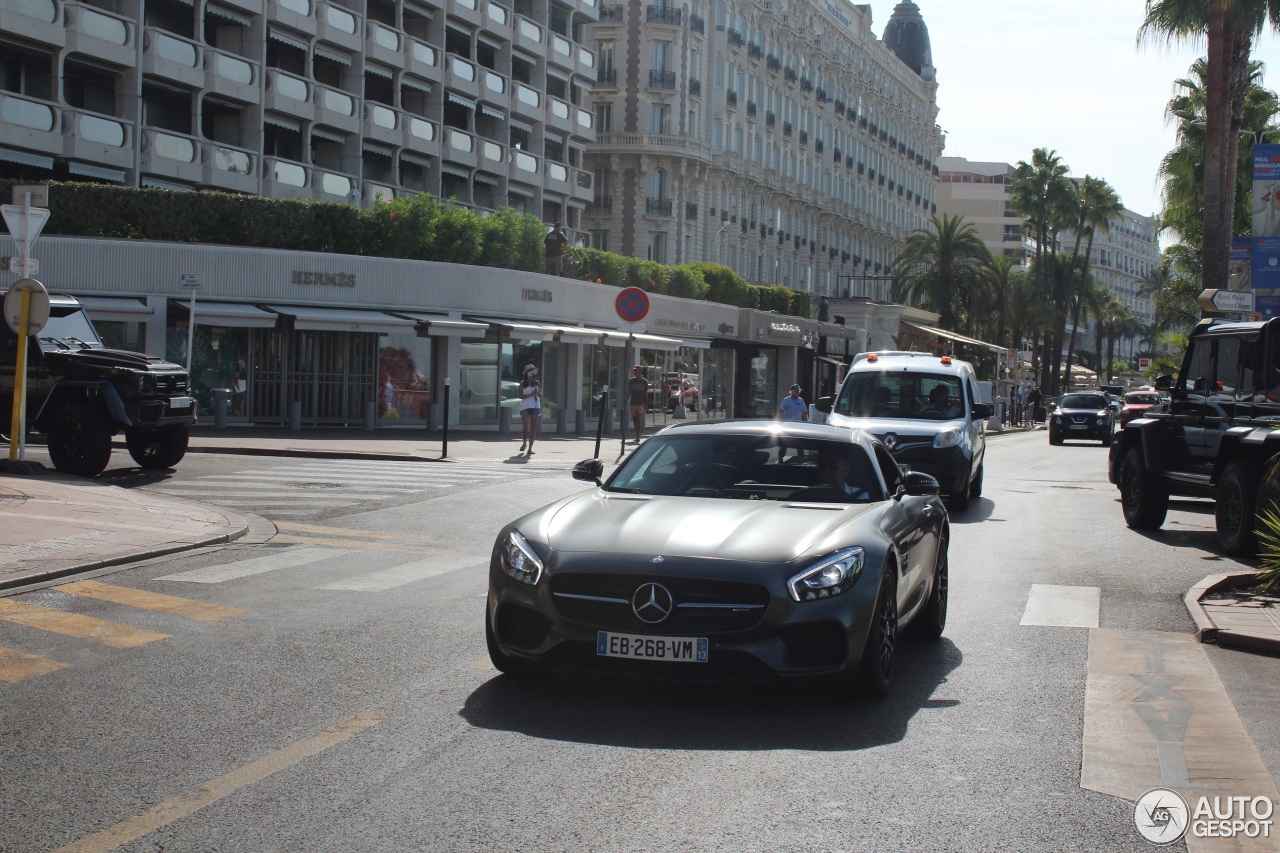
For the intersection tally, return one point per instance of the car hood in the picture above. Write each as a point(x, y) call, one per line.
point(897, 426)
point(748, 531)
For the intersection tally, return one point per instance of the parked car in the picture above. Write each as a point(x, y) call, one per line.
point(1137, 403)
point(889, 394)
point(1082, 415)
point(704, 554)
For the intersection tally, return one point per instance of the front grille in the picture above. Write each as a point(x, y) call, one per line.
point(701, 606)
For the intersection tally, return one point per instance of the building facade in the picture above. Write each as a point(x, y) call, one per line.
point(979, 192)
point(778, 137)
point(335, 100)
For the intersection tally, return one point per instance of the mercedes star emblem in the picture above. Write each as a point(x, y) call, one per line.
point(652, 603)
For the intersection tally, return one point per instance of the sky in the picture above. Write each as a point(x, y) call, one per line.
point(1016, 75)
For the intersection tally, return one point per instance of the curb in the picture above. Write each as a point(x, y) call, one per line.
point(1208, 632)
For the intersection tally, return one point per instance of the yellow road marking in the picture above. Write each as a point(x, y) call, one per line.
point(18, 666)
point(368, 546)
point(132, 828)
point(298, 527)
point(191, 609)
point(480, 664)
point(111, 634)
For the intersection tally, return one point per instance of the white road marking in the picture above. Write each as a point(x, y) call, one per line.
point(1063, 606)
point(428, 567)
point(287, 559)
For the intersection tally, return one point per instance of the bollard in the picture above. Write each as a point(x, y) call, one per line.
point(608, 420)
point(561, 421)
point(370, 416)
point(504, 420)
point(220, 406)
point(580, 422)
point(295, 416)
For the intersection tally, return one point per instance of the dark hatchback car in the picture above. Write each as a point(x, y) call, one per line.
point(743, 549)
point(1082, 416)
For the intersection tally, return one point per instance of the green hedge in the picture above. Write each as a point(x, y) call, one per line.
point(419, 227)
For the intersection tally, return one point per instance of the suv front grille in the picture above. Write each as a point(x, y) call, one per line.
point(701, 606)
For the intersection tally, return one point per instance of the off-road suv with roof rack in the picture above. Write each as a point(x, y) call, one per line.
point(1218, 436)
point(925, 409)
point(80, 394)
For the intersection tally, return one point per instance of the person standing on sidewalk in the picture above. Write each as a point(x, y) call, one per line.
point(793, 407)
point(555, 243)
point(1033, 405)
point(530, 407)
point(637, 398)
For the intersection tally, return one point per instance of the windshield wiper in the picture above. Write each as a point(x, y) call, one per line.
point(625, 490)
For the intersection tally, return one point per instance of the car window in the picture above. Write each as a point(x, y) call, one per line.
point(889, 470)
point(896, 394)
point(1083, 401)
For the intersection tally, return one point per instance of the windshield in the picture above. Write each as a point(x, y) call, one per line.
point(1142, 399)
point(68, 331)
point(928, 396)
point(1083, 401)
point(750, 467)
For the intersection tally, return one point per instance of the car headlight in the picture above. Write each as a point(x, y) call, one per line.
point(146, 384)
point(519, 559)
point(1102, 418)
point(830, 576)
point(948, 437)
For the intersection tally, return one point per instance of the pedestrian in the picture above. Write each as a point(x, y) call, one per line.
point(793, 406)
point(1033, 405)
point(555, 243)
point(239, 388)
point(637, 398)
point(530, 407)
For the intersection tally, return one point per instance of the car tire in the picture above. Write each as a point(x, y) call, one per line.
point(1143, 495)
point(1236, 510)
point(157, 448)
point(875, 670)
point(79, 440)
point(1106, 438)
point(1269, 491)
point(975, 485)
point(934, 618)
point(1054, 437)
point(503, 662)
point(959, 501)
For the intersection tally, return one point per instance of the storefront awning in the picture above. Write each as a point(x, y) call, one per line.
point(309, 319)
point(951, 336)
point(235, 314)
point(642, 341)
point(533, 330)
point(116, 309)
point(440, 325)
point(695, 343)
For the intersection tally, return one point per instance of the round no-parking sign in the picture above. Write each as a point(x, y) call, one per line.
point(632, 304)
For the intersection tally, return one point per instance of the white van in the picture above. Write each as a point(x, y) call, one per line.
point(927, 409)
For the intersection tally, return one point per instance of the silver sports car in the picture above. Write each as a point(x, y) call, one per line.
point(748, 548)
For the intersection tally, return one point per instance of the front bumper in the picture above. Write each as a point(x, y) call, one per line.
point(783, 639)
point(950, 466)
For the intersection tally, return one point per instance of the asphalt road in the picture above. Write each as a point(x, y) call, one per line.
point(330, 691)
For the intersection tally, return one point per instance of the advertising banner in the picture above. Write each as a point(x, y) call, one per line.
point(1266, 216)
point(1266, 303)
point(1238, 278)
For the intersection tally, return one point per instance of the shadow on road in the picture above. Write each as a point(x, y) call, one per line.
point(659, 715)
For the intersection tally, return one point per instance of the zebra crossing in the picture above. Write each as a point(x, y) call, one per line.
point(335, 567)
point(309, 486)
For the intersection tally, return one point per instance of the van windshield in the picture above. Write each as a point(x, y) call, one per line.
point(894, 394)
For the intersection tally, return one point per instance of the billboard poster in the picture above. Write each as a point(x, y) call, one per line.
point(1266, 216)
point(1266, 303)
point(1238, 277)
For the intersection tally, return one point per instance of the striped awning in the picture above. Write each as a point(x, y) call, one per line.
point(535, 330)
point(415, 159)
point(417, 85)
point(379, 71)
point(232, 314)
point(519, 125)
point(227, 15)
point(333, 55)
point(89, 170)
point(282, 122)
point(441, 325)
point(461, 101)
point(328, 135)
point(460, 174)
point(374, 148)
point(25, 158)
point(642, 341)
point(284, 38)
point(116, 309)
point(492, 112)
point(311, 319)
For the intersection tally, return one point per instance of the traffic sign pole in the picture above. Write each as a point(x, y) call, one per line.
point(18, 423)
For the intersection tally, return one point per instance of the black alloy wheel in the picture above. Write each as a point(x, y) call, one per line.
point(1236, 510)
point(1143, 496)
point(934, 618)
point(79, 440)
point(875, 672)
point(157, 448)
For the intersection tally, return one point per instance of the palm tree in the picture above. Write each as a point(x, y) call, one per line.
point(1001, 276)
point(939, 266)
point(1098, 205)
point(1229, 28)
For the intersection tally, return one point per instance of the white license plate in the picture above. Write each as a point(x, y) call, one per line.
point(640, 647)
point(180, 402)
point(1079, 426)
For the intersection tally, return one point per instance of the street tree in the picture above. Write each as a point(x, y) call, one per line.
point(1097, 206)
point(939, 266)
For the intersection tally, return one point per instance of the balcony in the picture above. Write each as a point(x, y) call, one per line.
point(460, 147)
point(731, 98)
point(462, 75)
point(786, 128)
point(37, 20)
point(751, 109)
point(336, 109)
point(383, 44)
point(773, 63)
point(231, 76)
point(383, 124)
point(697, 24)
point(611, 14)
point(169, 155)
point(288, 95)
point(804, 137)
point(663, 15)
point(285, 179)
point(524, 167)
point(734, 37)
point(299, 15)
point(695, 86)
point(600, 205)
point(790, 75)
point(171, 58)
point(662, 79)
point(658, 206)
point(770, 119)
point(29, 124)
point(755, 51)
point(95, 33)
point(562, 52)
point(97, 139)
point(690, 210)
point(422, 60)
point(607, 76)
point(528, 35)
point(806, 85)
point(559, 115)
point(340, 27)
point(332, 186)
point(527, 102)
point(818, 146)
point(227, 168)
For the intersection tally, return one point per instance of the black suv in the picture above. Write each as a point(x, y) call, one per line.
point(80, 394)
point(1216, 438)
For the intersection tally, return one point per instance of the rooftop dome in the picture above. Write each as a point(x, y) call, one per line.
point(908, 37)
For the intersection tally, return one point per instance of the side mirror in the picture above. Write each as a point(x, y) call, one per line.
point(981, 411)
point(919, 483)
point(823, 404)
point(1165, 382)
point(590, 470)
